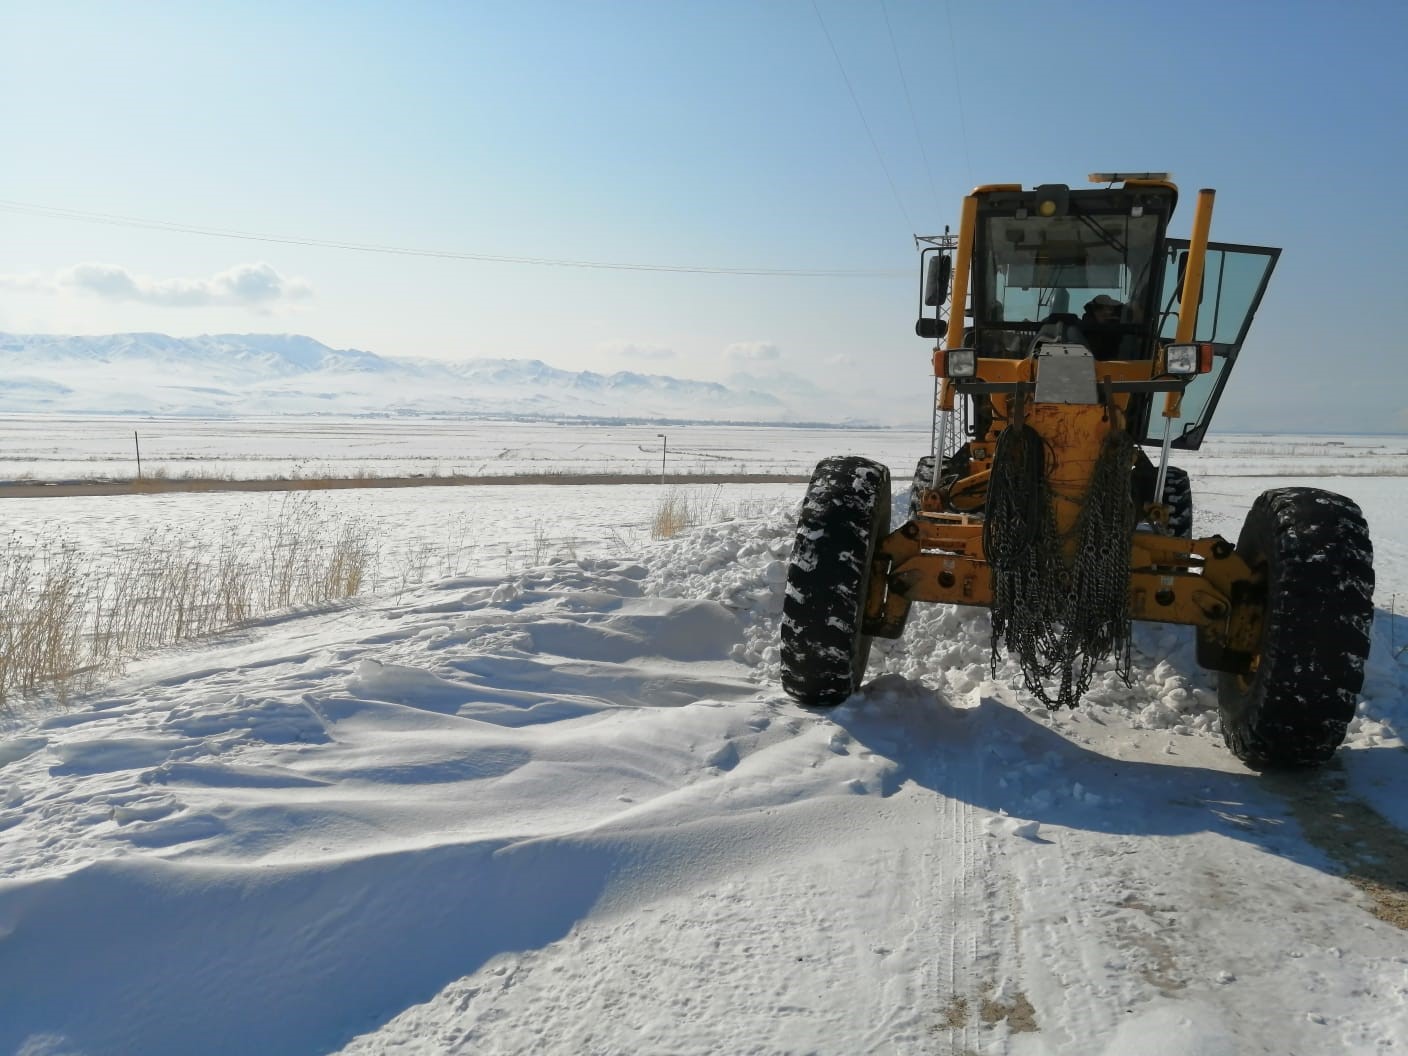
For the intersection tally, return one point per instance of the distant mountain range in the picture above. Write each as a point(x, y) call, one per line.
point(259, 374)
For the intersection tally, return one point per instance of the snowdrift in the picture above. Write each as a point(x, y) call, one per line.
point(569, 810)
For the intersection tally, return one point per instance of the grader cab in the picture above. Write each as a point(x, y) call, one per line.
point(1089, 336)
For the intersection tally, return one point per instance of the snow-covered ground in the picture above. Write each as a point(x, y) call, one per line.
point(567, 809)
point(50, 448)
point(54, 448)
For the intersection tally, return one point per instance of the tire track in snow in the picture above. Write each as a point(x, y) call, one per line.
point(960, 940)
point(962, 973)
point(984, 1001)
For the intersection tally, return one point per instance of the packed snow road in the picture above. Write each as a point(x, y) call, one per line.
point(570, 811)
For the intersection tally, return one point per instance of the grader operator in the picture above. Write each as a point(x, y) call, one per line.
point(1039, 501)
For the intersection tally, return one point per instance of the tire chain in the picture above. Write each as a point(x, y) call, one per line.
point(1059, 619)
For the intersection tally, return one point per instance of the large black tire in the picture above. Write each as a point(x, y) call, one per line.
point(1178, 497)
point(1292, 708)
point(844, 516)
point(923, 478)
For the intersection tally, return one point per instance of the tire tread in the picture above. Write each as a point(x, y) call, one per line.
point(846, 510)
point(1294, 710)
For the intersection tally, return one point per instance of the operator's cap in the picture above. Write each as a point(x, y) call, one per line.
point(1103, 301)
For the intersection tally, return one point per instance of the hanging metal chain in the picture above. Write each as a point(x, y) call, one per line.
point(1022, 548)
point(1059, 618)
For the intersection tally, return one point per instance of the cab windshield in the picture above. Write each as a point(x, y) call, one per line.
point(1031, 268)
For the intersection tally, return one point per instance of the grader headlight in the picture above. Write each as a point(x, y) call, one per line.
point(961, 363)
point(1189, 359)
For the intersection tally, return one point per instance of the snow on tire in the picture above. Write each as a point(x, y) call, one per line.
point(923, 479)
point(844, 515)
point(1291, 710)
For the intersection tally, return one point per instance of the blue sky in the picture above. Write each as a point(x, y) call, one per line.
point(716, 135)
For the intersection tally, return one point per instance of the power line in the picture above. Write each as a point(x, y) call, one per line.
point(866, 124)
point(55, 212)
point(958, 90)
point(909, 102)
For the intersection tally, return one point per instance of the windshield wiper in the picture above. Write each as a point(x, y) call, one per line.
point(1103, 234)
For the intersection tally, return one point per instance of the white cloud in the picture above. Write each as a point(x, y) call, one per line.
point(631, 350)
point(26, 284)
point(753, 352)
point(106, 280)
point(255, 285)
point(840, 360)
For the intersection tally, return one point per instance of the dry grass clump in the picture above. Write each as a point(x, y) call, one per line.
point(65, 614)
point(680, 508)
point(43, 595)
point(543, 547)
point(673, 514)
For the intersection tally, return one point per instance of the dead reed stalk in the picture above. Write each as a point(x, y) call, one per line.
point(66, 614)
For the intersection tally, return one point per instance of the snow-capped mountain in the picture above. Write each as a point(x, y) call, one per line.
point(251, 374)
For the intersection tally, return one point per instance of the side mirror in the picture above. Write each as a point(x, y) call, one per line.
point(936, 280)
point(927, 327)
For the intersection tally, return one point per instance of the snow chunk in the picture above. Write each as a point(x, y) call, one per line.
point(1006, 825)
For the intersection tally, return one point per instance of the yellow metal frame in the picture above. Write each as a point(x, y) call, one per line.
point(938, 556)
point(963, 259)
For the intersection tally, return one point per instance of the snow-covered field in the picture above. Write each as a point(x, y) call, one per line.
point(48, 448)
point(566, 809)
point(42, 448)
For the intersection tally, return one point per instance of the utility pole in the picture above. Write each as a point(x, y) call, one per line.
point(137, 443)
point(664, 446)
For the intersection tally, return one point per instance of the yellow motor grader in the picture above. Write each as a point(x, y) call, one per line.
point(1077, 334)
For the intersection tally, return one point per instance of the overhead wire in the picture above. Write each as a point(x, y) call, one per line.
point(909, 102)
point(55, 212)
point(861, 112)
point(958, 91)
